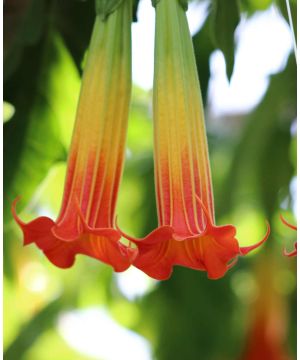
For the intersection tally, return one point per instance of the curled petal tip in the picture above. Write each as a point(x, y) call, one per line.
point(246, 249)
point(286, 223)
point(14, 212)
point(126, 236)
point(290, 253)
point(232, 263)
point(17, 199)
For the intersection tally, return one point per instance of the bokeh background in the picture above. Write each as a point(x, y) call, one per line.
point(89, 312)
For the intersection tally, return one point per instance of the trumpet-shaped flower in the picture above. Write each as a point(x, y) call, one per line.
point(293, 227)
point(187, 234)
point(85, 224)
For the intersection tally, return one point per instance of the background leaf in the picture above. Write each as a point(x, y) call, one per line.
point(23, 27)
point(226, 15)
point(41, 124)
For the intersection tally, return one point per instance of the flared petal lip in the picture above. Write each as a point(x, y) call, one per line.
point(167, 232)
point(168, 268)
point(111, 233)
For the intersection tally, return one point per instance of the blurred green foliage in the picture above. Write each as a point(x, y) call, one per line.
point(253, 163)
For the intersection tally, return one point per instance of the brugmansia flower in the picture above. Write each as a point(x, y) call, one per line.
point(266, 336)
point(187, 234)
point(293, 227)
point(85, 224)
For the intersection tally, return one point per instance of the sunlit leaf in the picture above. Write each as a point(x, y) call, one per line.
point(253, 5)
point(8, 111)
point(41, 126)
point(226, 16)
point(261, 167)
point(51, 346)
point(203, 47)
point(43, 320)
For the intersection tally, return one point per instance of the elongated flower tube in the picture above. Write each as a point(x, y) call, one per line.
point(293, 227)
point(85, 224)
point(187, 234)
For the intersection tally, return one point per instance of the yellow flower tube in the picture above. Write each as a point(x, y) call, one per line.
point(187, 234)
point(85, 224)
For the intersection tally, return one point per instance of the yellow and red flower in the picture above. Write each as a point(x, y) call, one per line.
point(187, 234)
point(85, 224)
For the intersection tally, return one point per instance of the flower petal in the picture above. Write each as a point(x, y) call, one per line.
point(162, 249)
point(102, 244)
point(96, 156)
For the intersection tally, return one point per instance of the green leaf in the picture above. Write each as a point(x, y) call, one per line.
point(203, 47)
point(27, 27)
point(45, 103)
point(184, 4)
point(261, 166)
point(182, 295)
point(105, 7)
point(43, 320)
point(255, 5)
point(60, 349)
point(67, 16)
point(225, 18)
point(155, 2)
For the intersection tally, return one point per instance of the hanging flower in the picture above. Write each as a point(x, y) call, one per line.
point(293, 227)
point(267, 333)
point(85, 224)
point(187, 234)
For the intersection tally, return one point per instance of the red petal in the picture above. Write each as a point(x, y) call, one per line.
point(101, 244)
point(39, 228)
point(220, 248)
point(151, 255)
point(161, 251)
point(163, 233)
